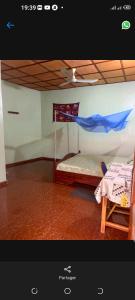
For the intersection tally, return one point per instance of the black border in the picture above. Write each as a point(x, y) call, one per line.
point(67, 251)
point(85, 30)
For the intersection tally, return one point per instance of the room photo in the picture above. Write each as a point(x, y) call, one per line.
point(67, 144)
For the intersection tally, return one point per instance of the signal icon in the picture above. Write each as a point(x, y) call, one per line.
point(119, 8)
point(113, 8)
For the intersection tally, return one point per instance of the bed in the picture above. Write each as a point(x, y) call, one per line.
point(84, 168)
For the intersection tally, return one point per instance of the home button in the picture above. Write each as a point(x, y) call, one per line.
point(67, 291)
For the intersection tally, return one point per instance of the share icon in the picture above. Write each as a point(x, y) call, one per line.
point(68, 269)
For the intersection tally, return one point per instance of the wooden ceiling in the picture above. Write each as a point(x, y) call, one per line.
point(46, 75)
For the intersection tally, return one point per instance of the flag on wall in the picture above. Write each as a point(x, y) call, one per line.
point(70, 108)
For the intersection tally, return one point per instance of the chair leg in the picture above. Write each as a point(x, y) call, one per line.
point(103, 214)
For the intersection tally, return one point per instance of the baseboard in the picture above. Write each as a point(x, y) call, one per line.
point(18, 163)
point(50, 159)
point(23, 162)
point(3, 184)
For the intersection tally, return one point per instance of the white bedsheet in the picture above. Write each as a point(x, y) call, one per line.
point(88, 164)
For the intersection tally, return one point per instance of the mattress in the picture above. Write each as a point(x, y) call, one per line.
point(88, 164)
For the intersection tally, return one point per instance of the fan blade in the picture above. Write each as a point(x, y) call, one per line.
point(64, 83)
point(86, 80)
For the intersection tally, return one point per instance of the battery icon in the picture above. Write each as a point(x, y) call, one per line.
point(127, 7)
point(39, 7)
point(54, 7)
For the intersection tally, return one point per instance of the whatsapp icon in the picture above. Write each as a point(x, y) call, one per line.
point(126, 25)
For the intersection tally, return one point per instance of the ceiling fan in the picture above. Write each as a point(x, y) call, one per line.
point(70, 77)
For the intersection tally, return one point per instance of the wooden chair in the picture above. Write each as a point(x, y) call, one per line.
point(107, 206)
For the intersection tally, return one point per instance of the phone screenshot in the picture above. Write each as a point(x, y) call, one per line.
point(67, 150)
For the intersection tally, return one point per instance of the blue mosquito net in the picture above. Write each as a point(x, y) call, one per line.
point(99, 123)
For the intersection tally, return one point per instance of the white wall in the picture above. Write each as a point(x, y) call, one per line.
point(2, 152)
point(100, 99)
point(25, 127)
point(31, 133)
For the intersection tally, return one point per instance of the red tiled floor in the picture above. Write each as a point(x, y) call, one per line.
point(32, 207)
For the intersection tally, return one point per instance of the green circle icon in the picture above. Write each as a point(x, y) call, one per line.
point(126, 25)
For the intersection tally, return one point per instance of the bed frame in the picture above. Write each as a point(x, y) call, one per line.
point(64, 177)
